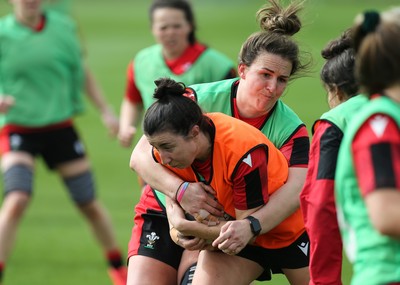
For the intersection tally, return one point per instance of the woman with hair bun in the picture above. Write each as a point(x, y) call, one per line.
point(224, 153)
point(368, 169)
point(268, 60)
point(317, 197)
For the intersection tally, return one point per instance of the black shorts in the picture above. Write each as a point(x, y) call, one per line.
point(293, 256)
point(56, 146)
point(150, 234)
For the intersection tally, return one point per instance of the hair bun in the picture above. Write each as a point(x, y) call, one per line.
point(167, 87)
point(337, 46)
point(278, 19)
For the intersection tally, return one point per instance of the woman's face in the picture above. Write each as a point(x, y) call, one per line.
point(26, 9)
point(175, 150)
point(262, 83)
point(171, 29)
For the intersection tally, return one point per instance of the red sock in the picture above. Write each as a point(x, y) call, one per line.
point(1, 270)
point(114, 258)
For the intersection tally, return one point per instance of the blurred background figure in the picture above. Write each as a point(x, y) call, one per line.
point(91, 85)
point(177, 54)
point(317, 197)
point(42, 76)
point(368, 169)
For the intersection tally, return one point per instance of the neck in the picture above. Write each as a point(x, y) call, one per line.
point(204, 147)
point(29, 21)
point(394, 92)
point(174, 54)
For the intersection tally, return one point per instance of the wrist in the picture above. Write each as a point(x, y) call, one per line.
point(181, 190)
point(177, 191)
point(255, 225)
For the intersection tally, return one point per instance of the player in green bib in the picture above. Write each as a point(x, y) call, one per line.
point(254, 98)
point(177, 55)
point(317, 196)
point(368, 170)
point(42, 76)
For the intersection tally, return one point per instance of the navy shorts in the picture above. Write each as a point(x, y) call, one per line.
point(150, 234)
point(293, 256)
point(55, 146)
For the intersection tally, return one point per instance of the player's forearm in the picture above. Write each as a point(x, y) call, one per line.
point(194, 228)
point(94, 93)
point(153, 173)
point(130, 114)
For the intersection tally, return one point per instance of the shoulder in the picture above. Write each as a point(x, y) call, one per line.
point(225, 84)
point(3, 19)
point(380, 106)
point(378, 127)
point(327, 128)
point(282, 108)
point(348, 106)
point(205, 91)
point(60, 19)
point(60, 6)
point(148, 50)
point(6, 22)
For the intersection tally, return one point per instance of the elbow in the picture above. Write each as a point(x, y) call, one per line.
point(179, 227)
point(385, 228)
point(134, 163)
point(136, 159)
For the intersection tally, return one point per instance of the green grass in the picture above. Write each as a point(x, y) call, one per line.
point(54, 246)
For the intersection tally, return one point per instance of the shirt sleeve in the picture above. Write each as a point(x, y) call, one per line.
point(250, 184)
point(296, 149)
point(376, 154)
point(318, 205)
point(132, 93)
point(322, 164)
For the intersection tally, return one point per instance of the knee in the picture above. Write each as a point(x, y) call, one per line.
point(18, 178)
point(17, 190)
point(81, 189)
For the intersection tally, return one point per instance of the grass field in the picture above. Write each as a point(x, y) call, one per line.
point(54, 246)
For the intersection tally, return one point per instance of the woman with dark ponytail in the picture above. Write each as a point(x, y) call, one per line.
point(238, 162)
point(368, 169)
point(317, 197)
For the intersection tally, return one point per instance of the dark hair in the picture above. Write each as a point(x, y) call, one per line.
point(377, 44)
point(277, 26)
point(172, 111)
point(338, 69)
point(183, 5)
